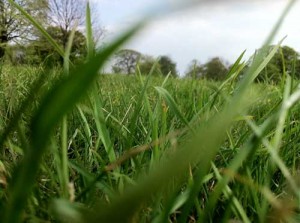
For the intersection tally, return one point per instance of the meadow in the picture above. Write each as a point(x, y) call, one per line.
point(79, 146)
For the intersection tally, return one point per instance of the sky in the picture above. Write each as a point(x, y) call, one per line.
point(201, 31)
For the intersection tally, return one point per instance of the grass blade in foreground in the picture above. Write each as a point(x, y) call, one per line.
point(89, 32)
point(59, 100)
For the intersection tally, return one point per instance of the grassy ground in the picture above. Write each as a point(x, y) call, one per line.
point(102, 148)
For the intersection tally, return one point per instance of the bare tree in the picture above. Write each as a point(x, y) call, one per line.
point(126, 61)
point(66, 14)
point(70, 14)
point(13, 25)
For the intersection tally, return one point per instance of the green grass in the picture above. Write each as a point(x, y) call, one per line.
point(77, 146)
point(91, 129)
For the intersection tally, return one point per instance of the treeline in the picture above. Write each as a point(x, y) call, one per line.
point(128, 61)
point(285, 61)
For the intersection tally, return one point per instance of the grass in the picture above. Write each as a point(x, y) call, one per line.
point(77, 146)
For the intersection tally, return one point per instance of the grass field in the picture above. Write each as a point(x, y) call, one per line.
point(103, 147)
point(77, 146)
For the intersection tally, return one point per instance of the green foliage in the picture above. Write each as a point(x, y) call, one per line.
point(215, 69)
point(49, 55)
point(167, 66)
point(285, 61)
point(146, 63)
point(162, 66)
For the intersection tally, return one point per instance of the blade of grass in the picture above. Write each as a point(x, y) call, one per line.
point(89, 32)
point(68, 52)
point(64, 158)
point(137, 110)
point(64, 127)
point(172, 104)
point(232, 74)
point(229, 195)
point(102, 129)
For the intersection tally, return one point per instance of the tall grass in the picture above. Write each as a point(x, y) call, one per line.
point(82, 147)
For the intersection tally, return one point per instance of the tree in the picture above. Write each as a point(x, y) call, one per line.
point(286, 60)
point(13, 25)
point(195, 70)
point(47, 51)
point(70, 14)
point(126, 61)
point(215, 69)
point(167, 66)
point(146, 65)
point(66, 15)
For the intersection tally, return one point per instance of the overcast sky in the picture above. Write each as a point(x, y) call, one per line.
point(202, 31)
